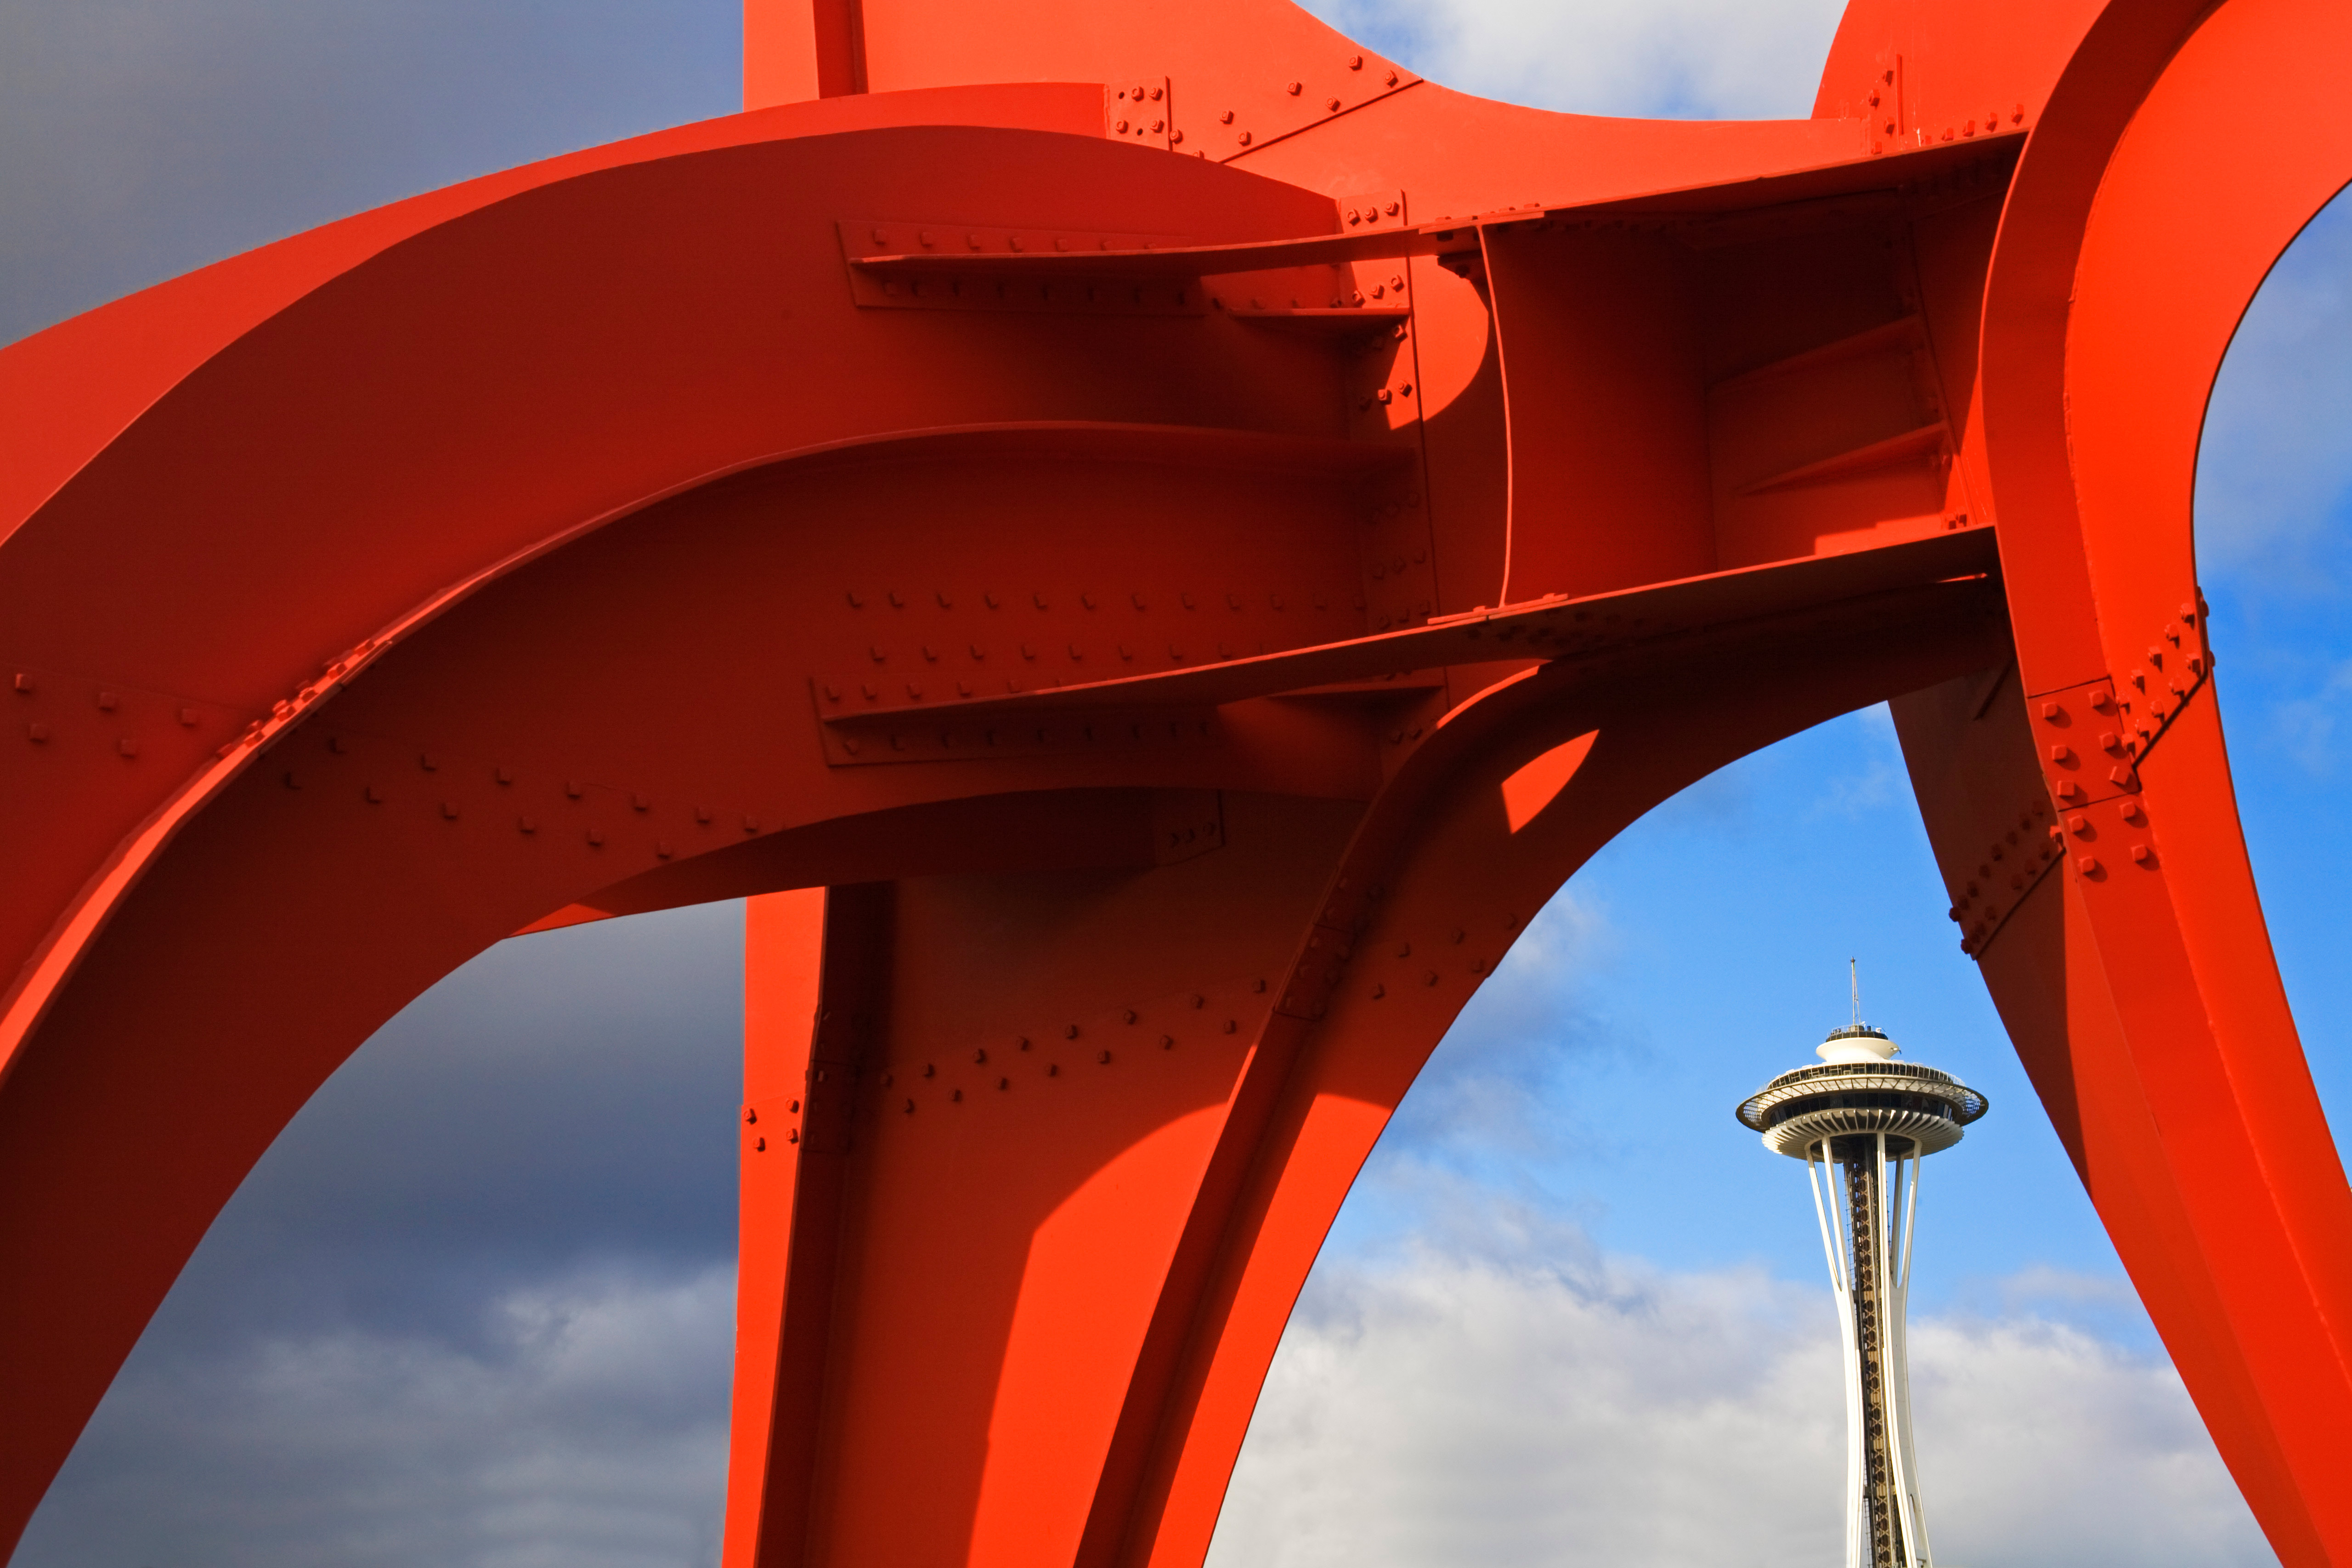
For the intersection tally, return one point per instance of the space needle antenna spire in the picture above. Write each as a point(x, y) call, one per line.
point(1862, 1121)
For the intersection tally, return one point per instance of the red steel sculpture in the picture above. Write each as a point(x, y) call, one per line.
point(1176, 536)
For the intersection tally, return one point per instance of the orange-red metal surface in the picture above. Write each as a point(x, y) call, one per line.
point(1149, 545)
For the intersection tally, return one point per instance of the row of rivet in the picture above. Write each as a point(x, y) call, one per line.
point(949, 738)
point(106, 700)
point(1332, 104)
point(2022, 860)
point(452, 810)
point(1103, 1055)
point(1088, 599)
point(1479, 966)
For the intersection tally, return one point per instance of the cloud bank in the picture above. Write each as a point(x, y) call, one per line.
point(1519, 1400)
point(586, 1428)
point(475, 1308)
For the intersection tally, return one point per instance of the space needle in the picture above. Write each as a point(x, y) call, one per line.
point(1862, 1121)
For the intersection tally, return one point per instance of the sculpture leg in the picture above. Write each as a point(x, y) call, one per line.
point(783, 947)
point(1014, 1086)
point(2173, 1077)
point(2130, 961)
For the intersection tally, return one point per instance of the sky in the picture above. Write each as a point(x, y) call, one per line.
point(475, 1306)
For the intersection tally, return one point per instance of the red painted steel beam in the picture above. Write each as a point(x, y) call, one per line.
point(1188, 562)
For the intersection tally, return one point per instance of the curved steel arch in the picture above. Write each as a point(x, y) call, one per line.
point(1187, 547)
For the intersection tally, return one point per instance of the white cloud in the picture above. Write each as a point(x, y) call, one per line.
point(1696, 58)
point(1523, 1400)
point(588, 1430)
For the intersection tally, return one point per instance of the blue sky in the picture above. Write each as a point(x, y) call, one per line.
point(474, 1307)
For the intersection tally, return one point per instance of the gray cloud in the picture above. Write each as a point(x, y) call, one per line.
point(474, 1307)
point(148, 137)
point(585, 1426)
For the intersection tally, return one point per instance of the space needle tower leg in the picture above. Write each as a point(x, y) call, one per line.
point(1914, 1516)
point(1817, 1174)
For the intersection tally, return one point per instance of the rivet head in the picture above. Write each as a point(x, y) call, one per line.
point(1292, 89)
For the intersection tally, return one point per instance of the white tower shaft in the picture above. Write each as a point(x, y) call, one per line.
point(1868, 1238)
